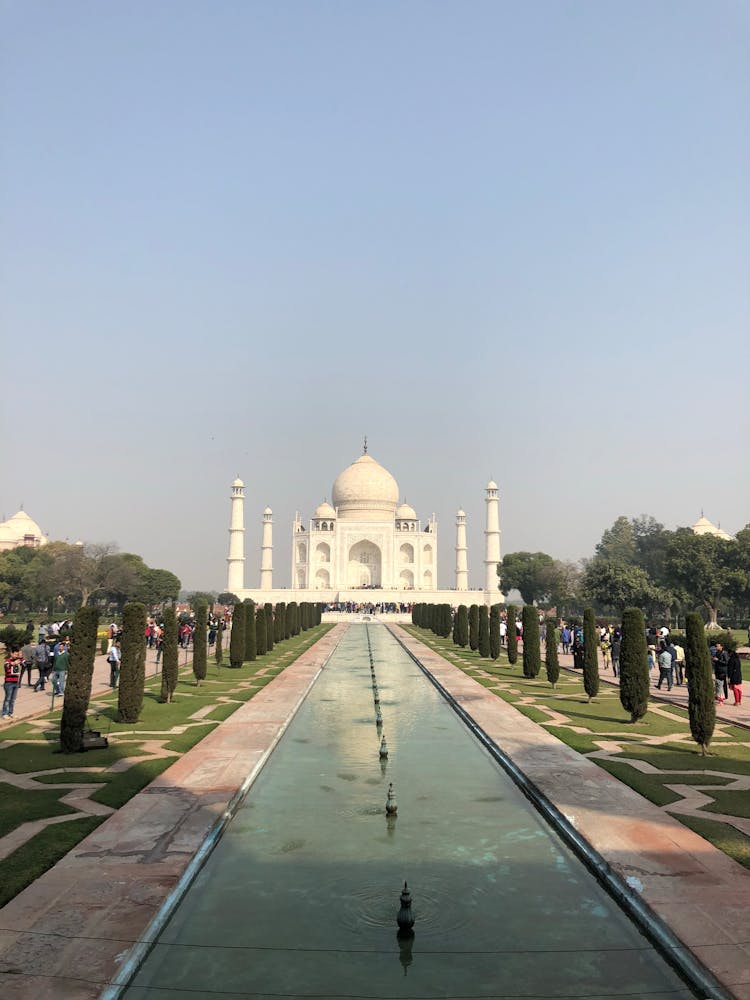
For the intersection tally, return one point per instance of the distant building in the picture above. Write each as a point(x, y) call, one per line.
point(20, 530)
point(705, 527)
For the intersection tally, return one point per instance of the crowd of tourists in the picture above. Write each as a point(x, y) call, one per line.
point(368, 608)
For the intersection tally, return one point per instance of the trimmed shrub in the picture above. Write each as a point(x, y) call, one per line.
point(279, 622)
point(474, 627)
point(511, 638)
point(532, 658)
point(590, 654)
point(132, 663)
point(494, 631)
point(700, 675)
point(250, 647)
point(462, 621)
point(551, 659)
point(78, 684)
point(170, 653)
point(219, 652)
point(237, 638)
point(292, 619)
point(634, 679)
point(260, 631)
point(483, 641)
point(200, 649)
point(268, 608)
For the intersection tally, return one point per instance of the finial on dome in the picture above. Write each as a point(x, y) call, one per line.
point(365, 446)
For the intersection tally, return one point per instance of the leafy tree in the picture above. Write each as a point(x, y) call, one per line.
point(207, 596)
point(462, 622)
point(268, 608)
point(474, 627)
point(533, 574)
point(617, 584)
point(260, 631)
point(237, 638)
point(511, 637)
point(701, 701)
point(132, 664)
point(80, 672)
point(634, 679)
point(251, 644)
point(494, 631)
point(590, 654)
point(551, 659)
point(532, 661)
point(200, 649)
point(292, 619)
point(227, 598)
point(484, 632)
point(701, 566)
point(279, 622)
point(219, 651)
point(618, 543)
point(169, 654)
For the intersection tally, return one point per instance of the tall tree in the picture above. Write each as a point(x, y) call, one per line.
point(494, 631)
point(634, 679)
point(511, 637)
point(169, 666)
point(200, 650)
point(132, 663)
point(474, 627)
point(617, 584)
point(484, 632)
point(462, 620)
point(268, 608)
point(701, 567)
point(701, 701)
point(279, 621)
point(533, 574)
point(250, 642)
point(80, 672)
point(551, 659)
point(590, 654)
point(260, 631)
point(618, 543)
point(237, 638)
point(219, 651)
point(532, 660)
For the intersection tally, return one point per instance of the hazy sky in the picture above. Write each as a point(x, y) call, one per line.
point(500, 239)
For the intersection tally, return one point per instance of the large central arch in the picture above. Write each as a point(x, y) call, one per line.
point(364, 565)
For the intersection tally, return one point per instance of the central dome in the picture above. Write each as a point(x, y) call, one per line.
point(365, 492)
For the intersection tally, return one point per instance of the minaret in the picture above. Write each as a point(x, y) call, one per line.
point(462, 569)
point(491, 545)
point(236, 557)
point(266, 551)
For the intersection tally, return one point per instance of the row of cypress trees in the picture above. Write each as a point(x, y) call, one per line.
point(257, 628)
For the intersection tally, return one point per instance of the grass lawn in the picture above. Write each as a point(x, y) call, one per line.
point(174, 728)
point(567, 714)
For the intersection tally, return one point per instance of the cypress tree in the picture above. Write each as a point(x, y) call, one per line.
point(415, 614)
point(304, 616)
point(200, 649)
point(634, 678)
point(169, 654)
point(288, 623)
point(494, 631)
point(701, 698)
point(250, 651)
point(474, 628)
point(511, 638)
point(260, 631)
point(551, 659)
point(462, 618)
point(268, 608)
point(219, 652)
point(78, 686)
point(532, 660)
point(279, 622)
point(237, 638)
point(132, 664)
point(447, 621)
point(484, 632)
point(590, 654)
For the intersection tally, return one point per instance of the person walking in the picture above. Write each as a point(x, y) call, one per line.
point(616, 654)
point(13, 662)
point(565, 638)
point(721, 662)
point(734, 676)
point(42, 660)
point(672, 650)
point(114, 658)
point(60, 673)
point(27, 662)
point(665, 667)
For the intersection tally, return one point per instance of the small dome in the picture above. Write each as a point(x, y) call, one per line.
point(238, 482)
point(365, 491)
point(324, 510)
point(268, 511)
point(492, 485)
point(406, 513)
point(461, 512)
point(21, 525)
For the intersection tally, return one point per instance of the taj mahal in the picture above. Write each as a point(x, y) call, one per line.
point(363, 546)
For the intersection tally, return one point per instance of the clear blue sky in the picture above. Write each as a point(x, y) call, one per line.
point(507, 240)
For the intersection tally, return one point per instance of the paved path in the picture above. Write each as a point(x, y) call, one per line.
point(700, 892)
point(64, 937)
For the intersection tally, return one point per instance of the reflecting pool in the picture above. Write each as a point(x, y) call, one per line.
point(300, 896)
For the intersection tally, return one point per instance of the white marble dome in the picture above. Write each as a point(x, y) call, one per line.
point(324, 510)
point(406, 513)
point(365, 491)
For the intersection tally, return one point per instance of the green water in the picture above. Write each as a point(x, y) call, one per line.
point(299, 898)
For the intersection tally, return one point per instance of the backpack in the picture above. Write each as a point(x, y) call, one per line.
point(41, 655)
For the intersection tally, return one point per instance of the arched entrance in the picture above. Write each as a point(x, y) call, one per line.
point(364, 565)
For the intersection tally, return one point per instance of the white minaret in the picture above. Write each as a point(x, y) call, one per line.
point(492, 545)
point(236, 557)
point(462, 569)
point(266, 551)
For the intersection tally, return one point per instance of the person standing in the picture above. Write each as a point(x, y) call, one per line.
point(41, 658)
point(665, 667)
point(616, 654)
point(734, 676)
point(13, 661)
point(565, 639)
point(672, 650)
point(721, 662)
point(60, 673)
point(27, 662)
point(113, 659)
